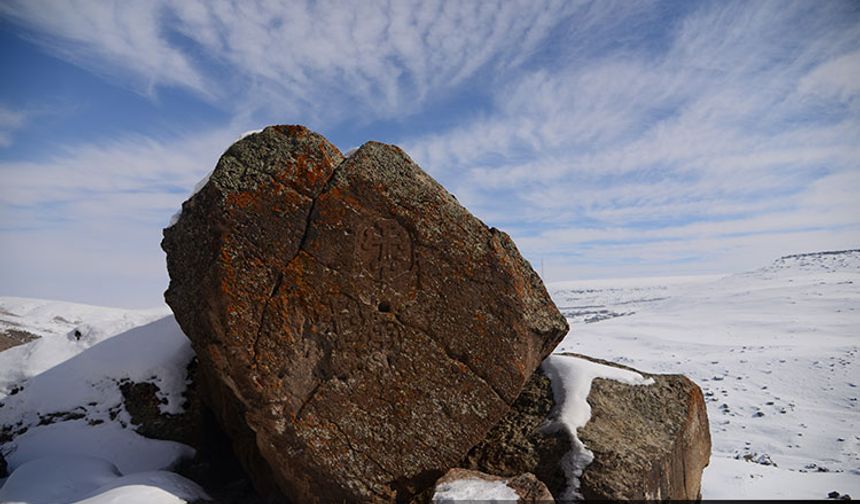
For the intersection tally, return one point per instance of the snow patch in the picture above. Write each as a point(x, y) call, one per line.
point(473, 490)
point(197, 188)
point(122, 447)
point(249, 133)
point(90, 480)
point(571, 379)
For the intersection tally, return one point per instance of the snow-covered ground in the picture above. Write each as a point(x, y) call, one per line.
point(60, 400)
point(774, 350)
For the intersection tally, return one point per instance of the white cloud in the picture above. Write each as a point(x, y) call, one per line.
point(85, 224)
point(329, 60)
point(723, 141)
point(109, 37)
point(839, 77)
point(666, 153)
point(10, 121)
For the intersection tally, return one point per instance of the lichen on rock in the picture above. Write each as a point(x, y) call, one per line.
point(357, 328)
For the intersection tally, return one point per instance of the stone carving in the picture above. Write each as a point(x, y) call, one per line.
point(358, 329)
point(385, 250)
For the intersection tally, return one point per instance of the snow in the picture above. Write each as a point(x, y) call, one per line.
point(249, 133)
point(155, 352)
point(56, 322)
point(474, 489)
point(82, 479)
point(197, 188)
point(571, 379)
point(60, 396)
point(728, 479)
point(122, 447)
point(774, 350)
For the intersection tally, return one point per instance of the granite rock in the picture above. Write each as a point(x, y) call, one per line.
point(357, 330)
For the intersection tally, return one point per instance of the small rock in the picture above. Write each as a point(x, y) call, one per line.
point(833, 495)
point(529, 489)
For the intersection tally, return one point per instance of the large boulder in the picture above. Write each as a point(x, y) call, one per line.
point(649, 442)
point(358, 331)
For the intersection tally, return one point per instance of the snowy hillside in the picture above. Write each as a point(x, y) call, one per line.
point(60, 401)
point(774, 350)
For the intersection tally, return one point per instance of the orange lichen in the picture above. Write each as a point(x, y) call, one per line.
point(241, 199)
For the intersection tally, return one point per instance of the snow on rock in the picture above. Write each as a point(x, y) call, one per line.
point(474, 489)
point(571, 379)
point(197, 187)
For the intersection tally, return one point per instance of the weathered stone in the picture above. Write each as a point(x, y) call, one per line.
point(529, 489)
point(520, 443)
point(357, 329)
point(144, 407)
point(649, 442)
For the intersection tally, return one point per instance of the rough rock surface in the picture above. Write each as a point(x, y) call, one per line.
point(357, 329)
point(529, 489)
point(144, 407)
point(649, 442)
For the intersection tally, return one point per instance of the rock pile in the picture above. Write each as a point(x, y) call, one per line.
point(360, 334)
point(357, 330)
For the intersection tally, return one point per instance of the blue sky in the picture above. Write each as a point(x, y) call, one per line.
point(608, 138)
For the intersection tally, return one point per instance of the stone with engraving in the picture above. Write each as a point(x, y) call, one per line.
point(358, 330)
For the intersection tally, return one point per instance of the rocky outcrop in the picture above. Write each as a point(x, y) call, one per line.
point(11, 337)
point(358, 331)
point(649, 442)
point(521, 443)
point(528, 489)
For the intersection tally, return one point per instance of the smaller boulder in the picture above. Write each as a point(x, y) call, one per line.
point(649, 442)
point(462, 484)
